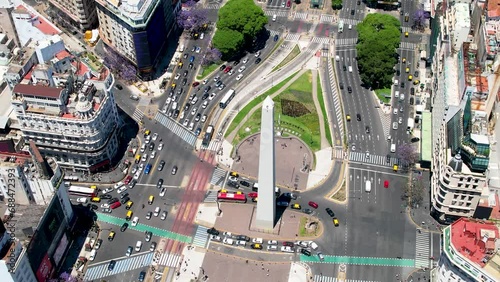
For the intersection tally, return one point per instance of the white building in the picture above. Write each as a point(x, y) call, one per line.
point(15, 265)
point(81, 13)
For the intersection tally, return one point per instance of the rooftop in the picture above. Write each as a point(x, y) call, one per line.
point(38, 91)
point(133, 11)
point(28, 218)
point(474, 239)
point(493, 8)
point(31, 25)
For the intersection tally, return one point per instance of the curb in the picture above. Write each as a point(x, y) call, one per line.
point(408, 213)
point(336, 188)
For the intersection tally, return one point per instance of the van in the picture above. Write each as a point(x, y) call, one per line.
point(181, 48)
point(92, 255)
point(129, 215)
point(174, 106)
point(350, 68)
point(368, 186)
point(393, 148)
point(96, 199)
point(337, 58)
point(138, 246)
point(255, 187)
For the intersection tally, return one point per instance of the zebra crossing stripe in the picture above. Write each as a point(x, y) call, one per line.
point(300, 16)
point(169, 260)
point(178, 130)
point(321, 40)
point(210, 197)
point(218, 177)
point(292, 36)
point(336, 100)
point(322, 278)
point(422, 252)
point(201, 237)
point(134, 262)
point(138, 114)
point(373, 159)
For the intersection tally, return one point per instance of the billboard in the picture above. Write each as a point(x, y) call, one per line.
point(61, 248)
point(44, 270)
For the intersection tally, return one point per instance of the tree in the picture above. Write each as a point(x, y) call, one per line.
point(337, 4)
point(64, 277)
point(414, 192)
point(228, 42)
point(419, 19)
point(379, 36)
point(407, 155)
point(212, 55)
point(119, 65)
point(190, 18)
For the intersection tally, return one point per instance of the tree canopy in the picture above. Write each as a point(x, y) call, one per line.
point(378, 38)
point(238, 24)
point(337, 4)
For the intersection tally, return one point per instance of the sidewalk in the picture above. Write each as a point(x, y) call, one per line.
point(420, 216)
point(299, 272)
point(190, 267)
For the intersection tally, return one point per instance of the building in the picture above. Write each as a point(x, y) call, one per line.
point(469, 252)
point(27, 178)
point(14, 264)
point(137, 29)
point(81, 14)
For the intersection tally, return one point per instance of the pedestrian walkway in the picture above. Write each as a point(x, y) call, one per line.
point(321, 40)
point(373, 159)
point(336, 100)
point(327, 18)
point(349, 22)
point(346, 41)
point(300, 16)
point(213, 6)
point(322, 278)
point(210, 197)
point(406, 29)
point(422, 252)
point(201, 237)
point(391, 262)
point(218, 176)
point(272, 33)
point(143, 228)
point(278, 13)
point(408, 45)
point(100, 270)
point(176, 128)
point(386, 121)
point(292, 37)
point(213, 145)
point(169, 260)
point(138, 114)
point(338, 153)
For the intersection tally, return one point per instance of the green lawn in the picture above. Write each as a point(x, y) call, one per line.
point(294, 53)
point(206, 71)
point(382, 93)
point(92, 61)
point(321, 101)
point(295, 100)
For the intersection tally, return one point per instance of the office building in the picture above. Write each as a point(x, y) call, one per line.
point(137, 29)
point(81, 14)
point(14, 264)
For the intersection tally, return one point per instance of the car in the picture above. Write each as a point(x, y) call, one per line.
point(207, 88)
point(197, 132)
point(395, 111)
point(185, 73)
point(288, 243)
point(235, 63)
point(204, 105)
point(287, 249)
point(367, 129)
point(406, 34)
point(142, 276)
point(341, 85)
point(242, 68)
point(119, 87)
point(152, 248)
point(415, 139)
point(196, 83)
point(122, 195)
point(174, 170)
point(163, 215)
point(386, 183)
point(243, 238)
point(349, 89)
point(203, 118)
point(245, 60)
point(257, 54)
point(239, 76)
point(402, 85)
point(227, 69)
point(160, 183)
point(152, 155)
point(129, 251)
point(276, 37)
point(185, 122)
point(305, 252)
point(256, 246)
point(416, 82)
point(416, 73)
point(215, 238)
point(162, 191)
point(124, 227)
point(148, 235)
point(125, 200)
point(231, 72)
point(296, 206)
point(272, 248)
point(106, 197)
point(395, 125)
point(245, 183)
point(353, 12)
point(321, 256)
point(313, 204)
point(358, 117)
point(290, 196)
point(400, 120)
point(307, 211)
point(253, 195)
point(93, 207)
point(98, 244)
point(106, 210)
point(111, 265)
point(149, 214)
point(82, 200)
point(401, 109)
point(198, 49)
point(330, 212)
point(213, 231)
point(222, 86)
point(222, 68)
point(112, 201)
point(398, 72)
point(258, 60)
point(121, 190)
point(194, 110)
point(176, 113)
point(155, 136)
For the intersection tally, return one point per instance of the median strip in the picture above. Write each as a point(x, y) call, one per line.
point(361, 261)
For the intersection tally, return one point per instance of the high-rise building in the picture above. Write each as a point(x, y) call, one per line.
point(137, 29)
point(14, 264)
point(469, 252)
point(79, 13)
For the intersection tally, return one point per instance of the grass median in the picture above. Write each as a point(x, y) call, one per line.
point(206, 71)
point(321, 101)
point(384, 95)
point(294, 53)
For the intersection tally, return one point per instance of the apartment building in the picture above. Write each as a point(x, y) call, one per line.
point(469, 252)
point(14, 264)
point(137, 29)
point(79, 13)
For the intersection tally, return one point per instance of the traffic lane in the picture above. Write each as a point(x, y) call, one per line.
point(332, 242)
point(132, 275)
point(250, 254)
point(373, 273)
point(299, 26)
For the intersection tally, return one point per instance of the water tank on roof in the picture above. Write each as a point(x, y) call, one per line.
point(17, 50)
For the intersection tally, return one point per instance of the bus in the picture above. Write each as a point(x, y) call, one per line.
point(232, 197)
point(341, 26)
point(82, 191)
point(208, 135)
point(227, 98)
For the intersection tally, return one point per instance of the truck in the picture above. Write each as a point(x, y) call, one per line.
point(208, 135)
point(368, 186)
point(411, 124)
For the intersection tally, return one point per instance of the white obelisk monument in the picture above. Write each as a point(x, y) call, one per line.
point(266, 206)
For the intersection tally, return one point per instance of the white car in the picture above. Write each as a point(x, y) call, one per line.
point(164, 109)
point(107, 190)
point(272, 248)
point(83, 200)
point(205, 104)
point(177, 76)
point(395, 111)
point(231, 72)
point(92, 255)
point(242, 68)
point(153, 155)
point(104, 206)
point(186, 122)
point(228, 241)
point(141, 167)
point(241, 243)
point(137, 175)
point(191, 126)
point(215, 238)
point(239, 76)
point(134, 170)
point(135, 221)
point(287, 249)
point(272, 242)
point(121, 190)
point(162, 191)
point(169, 100)
point(144, 158)
point(202, 35)
point(163, 215)
point(160, 147)
point(303, 244)
point(233, 179)
point(400, 120)
point(257, 240)
point(395, 125)
point(227, 234)
point(212, 96)
point(257, 54)
point(155, 136)
point(245, 60)
point(143, 148)
point(194, 110)
point(118, 185)
point(203, 118)
point(205, 81)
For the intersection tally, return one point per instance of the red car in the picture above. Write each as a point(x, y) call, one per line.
point(227, 69)
point(196, 83)
point(386, 184)
point(288, 244)
point(253, 195)
point(128, 179)
point(115, 205)
point(313, 204)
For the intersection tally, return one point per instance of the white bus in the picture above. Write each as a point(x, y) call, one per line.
point(227, 98)
point(82, 191)
point(341, 26)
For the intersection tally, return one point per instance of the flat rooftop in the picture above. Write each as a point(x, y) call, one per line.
point(133, 10)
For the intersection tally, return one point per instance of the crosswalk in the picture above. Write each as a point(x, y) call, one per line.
point(422, 252)
point(278, 13)
point(326, 18)
point(215, 6)
point(386, 121)
point(338, 153)
point(273, 33)
point(406, 29)
point(169, 260)
point(349, 22)
point(218, 176)
point(300, 16)
point(321, 40)
point(210, 197)
point(322, 278)
point(408, 45)
point(372, 159)
point(293, 37)
point(138, 114)
point(213, 146)
point(346, 41)
point(98, 271)
point(180, 131)
point(336, 100)
point(201, 237)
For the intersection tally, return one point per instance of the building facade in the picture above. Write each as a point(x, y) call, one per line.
point(79, 13)
point(137, 30)
point(14, 264)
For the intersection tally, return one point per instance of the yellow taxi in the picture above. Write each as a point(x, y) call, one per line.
point(151, 199)
point(234, 173)
point(129, 215)
point(256, 246)
point(416, 82)
point(254, 200)
point(147, 132)
point(180, 64)
point(404, 60)
point(395, 168)
point(129, 205)
point(111, 236)
point(406, 34)
point(410, 77)
point(137, 158)
point(348, 117)
point(96, 199)
point(296, 206)
point(335, 221)
point(223, 191)
point(239, 193)
point(407, 70)
point(93, 187)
